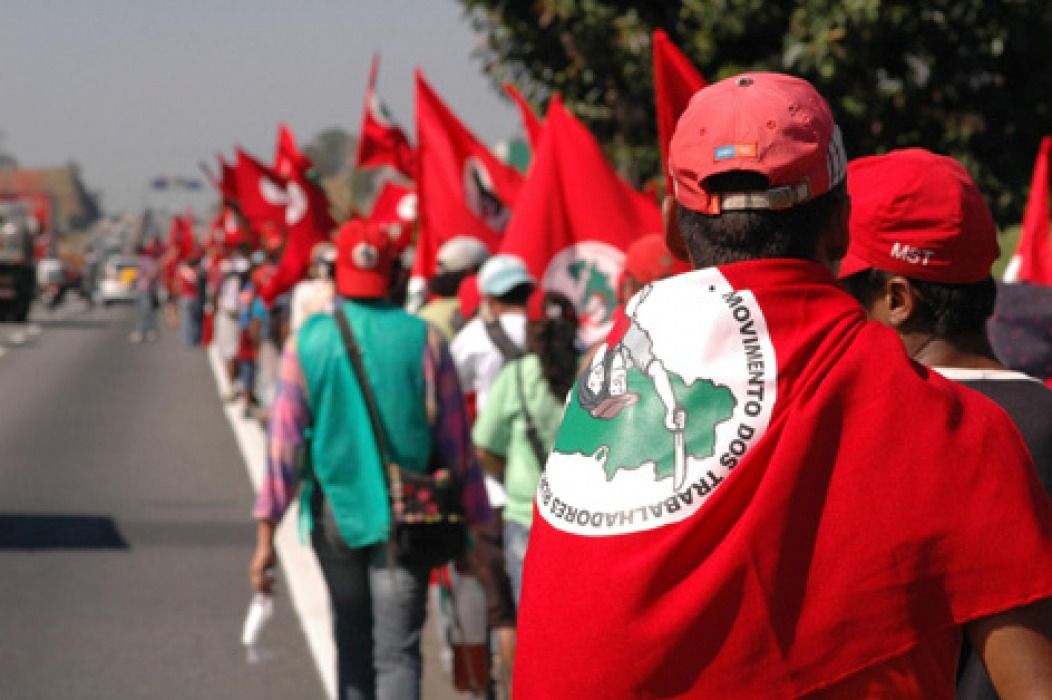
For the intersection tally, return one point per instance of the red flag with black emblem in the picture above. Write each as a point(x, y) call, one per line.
point(1032, 261)
point(381, 141)
point(464, 189)
point(531, 123)
point(260, 192)
point(574, 219)
point(675, 82)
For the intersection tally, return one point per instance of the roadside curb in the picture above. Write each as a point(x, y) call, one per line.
point(306, 585)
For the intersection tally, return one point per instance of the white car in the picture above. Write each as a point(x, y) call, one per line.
point(117, 282)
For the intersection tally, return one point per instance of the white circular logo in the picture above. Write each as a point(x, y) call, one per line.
point(668, 408)
point(296, 208)
point(365, 256)
point(272, 193)
point(588, 273)
point(406, 207)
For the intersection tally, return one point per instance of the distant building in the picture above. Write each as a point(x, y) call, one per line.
point(69, 205)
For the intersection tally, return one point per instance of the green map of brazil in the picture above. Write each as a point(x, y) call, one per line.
point(637, 436)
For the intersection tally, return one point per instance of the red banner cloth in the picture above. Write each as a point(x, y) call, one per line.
point(1032, 261)
point(574, 219)
point(531, 123)
point(812, 511)
point(464, 189)
point(260, 192)
point(381, 141)
point(675, 82)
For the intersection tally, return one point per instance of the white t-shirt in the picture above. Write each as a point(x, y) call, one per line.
point(477, 359)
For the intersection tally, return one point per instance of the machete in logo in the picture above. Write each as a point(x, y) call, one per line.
point(669, 407)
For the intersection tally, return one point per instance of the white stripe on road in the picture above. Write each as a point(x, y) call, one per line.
point(306, 585)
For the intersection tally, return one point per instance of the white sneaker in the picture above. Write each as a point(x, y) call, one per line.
point(135, 337)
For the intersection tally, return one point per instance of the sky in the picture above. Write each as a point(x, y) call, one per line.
point(134, 89)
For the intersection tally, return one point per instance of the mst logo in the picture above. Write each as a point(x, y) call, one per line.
point(587, 273)
point(667, 409)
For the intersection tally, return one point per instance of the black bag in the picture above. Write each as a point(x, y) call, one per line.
point(428, 527)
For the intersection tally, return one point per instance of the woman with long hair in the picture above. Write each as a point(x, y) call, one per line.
point(518, 423)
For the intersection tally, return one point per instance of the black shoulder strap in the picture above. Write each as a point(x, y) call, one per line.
point(531, 428)
point(500, 338)
point(354, 352)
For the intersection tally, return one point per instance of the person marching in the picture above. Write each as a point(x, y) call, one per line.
point(320, 411)
point(922, 245)
point(839, 525)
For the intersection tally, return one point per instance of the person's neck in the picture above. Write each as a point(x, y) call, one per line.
point(966, 352)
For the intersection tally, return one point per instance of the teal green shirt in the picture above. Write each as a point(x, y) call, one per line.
point(501, 429)
point(343, 455)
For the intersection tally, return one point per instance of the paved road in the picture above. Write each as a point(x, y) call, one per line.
point(124, 526)
point(124, 529)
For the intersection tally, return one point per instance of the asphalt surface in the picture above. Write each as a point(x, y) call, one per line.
point(125, 525)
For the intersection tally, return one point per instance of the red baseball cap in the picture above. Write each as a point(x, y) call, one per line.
point(648, 259)
point(767, 123)
point(920, 215)
point(364, 256)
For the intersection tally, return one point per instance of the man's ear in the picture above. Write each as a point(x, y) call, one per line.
point(673, 237)
point(900, 301)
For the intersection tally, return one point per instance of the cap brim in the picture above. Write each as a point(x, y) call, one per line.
point(851, 263)
point(504, 286)
point(362, 285)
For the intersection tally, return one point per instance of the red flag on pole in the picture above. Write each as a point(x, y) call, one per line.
point(381, 140)
point(1032, 261)
point(287, 156)
point(464, 189)
point(260, 192)
point(396, 204)
point(307, 220)
point(531, 123)
point(675, 82)
point(227, 181)
point(574, 219)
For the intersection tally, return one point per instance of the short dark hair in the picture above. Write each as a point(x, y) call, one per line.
point(518, 295)
point(945, 310)
point(736, 236)
point(446, 284)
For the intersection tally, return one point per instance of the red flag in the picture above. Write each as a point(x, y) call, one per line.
point(531, 123)
point(227, 184)
point(381, 141)
point(737, 506)
point(1032, 261)
point(308, 222)
point(395, 204)
point(464, 189)
point(574, 219)
point(675, 82)
point(287, 156)
point(260, 192)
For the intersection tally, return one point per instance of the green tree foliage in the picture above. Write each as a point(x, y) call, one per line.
point(969, 78)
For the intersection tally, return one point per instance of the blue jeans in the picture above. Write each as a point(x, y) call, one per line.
point(145, 313)
point(378, 612)
point(190, 310)
point(516, 536)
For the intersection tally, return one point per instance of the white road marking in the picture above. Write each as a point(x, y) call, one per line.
point(306, 585)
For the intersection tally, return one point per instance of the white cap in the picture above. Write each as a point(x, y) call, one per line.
point(502, 273)
point(461, 253)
